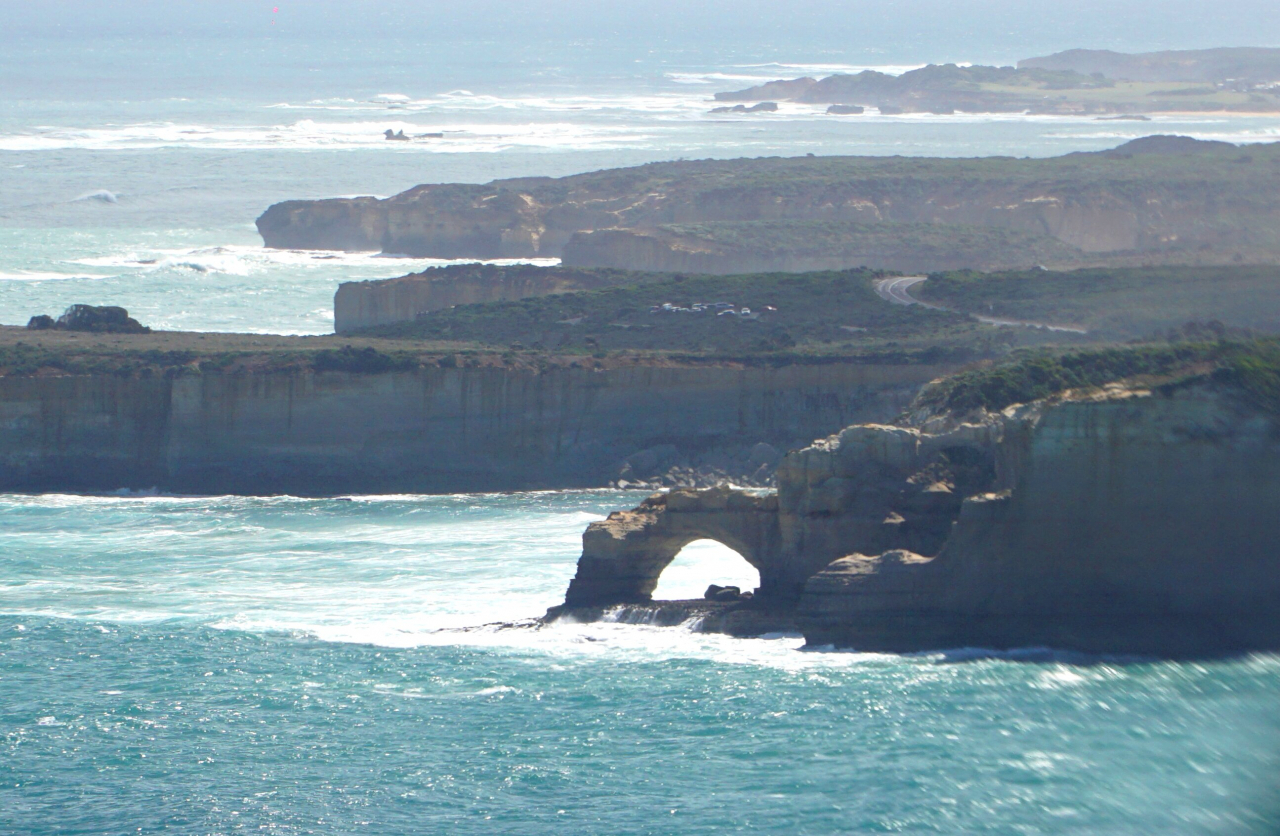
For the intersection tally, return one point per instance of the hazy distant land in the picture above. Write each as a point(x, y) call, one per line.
point(1076, 82)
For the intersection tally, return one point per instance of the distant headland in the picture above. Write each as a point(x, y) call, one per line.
point(1072, 83)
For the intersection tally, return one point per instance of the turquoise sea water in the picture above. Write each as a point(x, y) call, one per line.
point(229, 665)
point(224, 665)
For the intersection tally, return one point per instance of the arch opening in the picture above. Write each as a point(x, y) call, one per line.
point(700, 564)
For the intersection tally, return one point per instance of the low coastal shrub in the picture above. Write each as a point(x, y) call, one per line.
point(743, 315)
point(1041, 375)
point(366, 360)
point(1120, 303)
point(1257, 371)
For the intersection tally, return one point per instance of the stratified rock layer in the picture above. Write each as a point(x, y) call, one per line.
point(433, 430)
point(1130, 522)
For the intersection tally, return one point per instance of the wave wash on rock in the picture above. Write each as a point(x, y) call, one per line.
point(1128, 521)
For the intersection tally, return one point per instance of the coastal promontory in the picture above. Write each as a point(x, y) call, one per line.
point(1157, 200)
point(1127, 518)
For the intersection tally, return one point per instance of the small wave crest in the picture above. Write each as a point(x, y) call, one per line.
point(100, 196)
point(241, 260)
point(45, 276)
point(314, 134)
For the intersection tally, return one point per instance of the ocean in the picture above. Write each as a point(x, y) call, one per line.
point(212, 665)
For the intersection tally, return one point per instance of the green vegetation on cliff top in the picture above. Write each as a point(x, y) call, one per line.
point(1117, 303)
point(835, 312)
point(1252, 365)
point(1143, 162)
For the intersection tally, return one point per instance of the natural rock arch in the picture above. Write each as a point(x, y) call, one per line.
point(705, 565)
point(869, 490)
point(624, 556)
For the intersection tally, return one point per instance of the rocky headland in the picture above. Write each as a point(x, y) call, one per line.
point(1158, 200)
point(1122, 518)
point(1076, 82)
point(359, 305)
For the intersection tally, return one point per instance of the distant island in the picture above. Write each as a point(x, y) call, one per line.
point(1075, 82)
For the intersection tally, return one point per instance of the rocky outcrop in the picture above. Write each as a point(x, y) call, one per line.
point(623, 556)
point(359, 305)
point(761, 107)
point(432, 430)
point(1130, 522)
point(1216, 205)
point(94, 319)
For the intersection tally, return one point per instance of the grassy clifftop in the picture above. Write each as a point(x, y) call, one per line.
point(822, 312)
point(1252, 365)
point(1117, 303)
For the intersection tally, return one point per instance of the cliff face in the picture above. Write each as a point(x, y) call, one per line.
point(1217, 203)
point(1130, 522)
point(434, 430)
point(1135, 523)
point(366, 304)
point(356, 224)
point(731, 248)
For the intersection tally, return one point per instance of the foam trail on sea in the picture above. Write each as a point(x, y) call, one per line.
point(39, 276)
point(310, 134)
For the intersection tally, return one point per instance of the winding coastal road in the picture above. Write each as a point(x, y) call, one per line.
point(897, 291)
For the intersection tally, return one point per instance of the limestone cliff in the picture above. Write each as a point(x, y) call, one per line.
point(736, 247)
point(1214, 204)
point(1127, 521)
point(359, 305)
point(433, 430)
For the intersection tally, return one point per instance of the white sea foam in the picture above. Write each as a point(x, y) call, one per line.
point(310, 134)
point(241, 260)
point(760, 73)
point(1240, 137)
point(465, 101)
point(45, 276)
